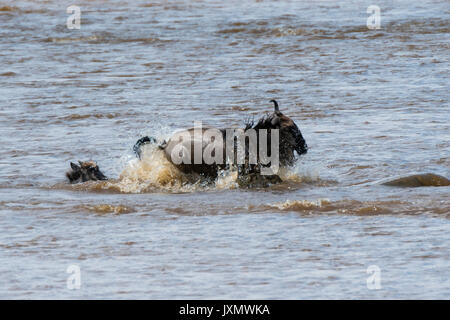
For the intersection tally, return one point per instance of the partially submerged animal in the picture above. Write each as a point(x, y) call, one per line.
point(418, 180)
point(85, 171)
point(290, 140)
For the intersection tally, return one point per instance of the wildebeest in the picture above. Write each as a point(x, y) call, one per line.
point(289, 141)
point(85, 171)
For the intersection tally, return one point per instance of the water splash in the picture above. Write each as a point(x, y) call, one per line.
point(155, 173)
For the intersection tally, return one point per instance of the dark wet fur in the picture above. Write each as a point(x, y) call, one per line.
point(85, 171)
point(142, 141)
point(291, 140)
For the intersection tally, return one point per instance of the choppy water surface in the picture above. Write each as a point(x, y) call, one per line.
point(371, 104)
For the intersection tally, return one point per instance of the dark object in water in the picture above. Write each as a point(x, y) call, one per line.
point(419, 180)
point(87, 170)
point(256, 180)
point(290, 140)
point(142, 141)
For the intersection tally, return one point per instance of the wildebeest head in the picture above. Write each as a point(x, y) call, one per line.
point(85, 171)
point(290, 135)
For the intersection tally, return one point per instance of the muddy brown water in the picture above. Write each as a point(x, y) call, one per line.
point(371, 104)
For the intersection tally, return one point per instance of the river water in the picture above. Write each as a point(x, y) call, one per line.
point(372, 104)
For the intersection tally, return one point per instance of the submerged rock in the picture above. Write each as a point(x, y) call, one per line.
point(419, 180)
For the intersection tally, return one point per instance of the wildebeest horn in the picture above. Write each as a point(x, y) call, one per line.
point(276, 105)
point(74, 166)
point(142, 141)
